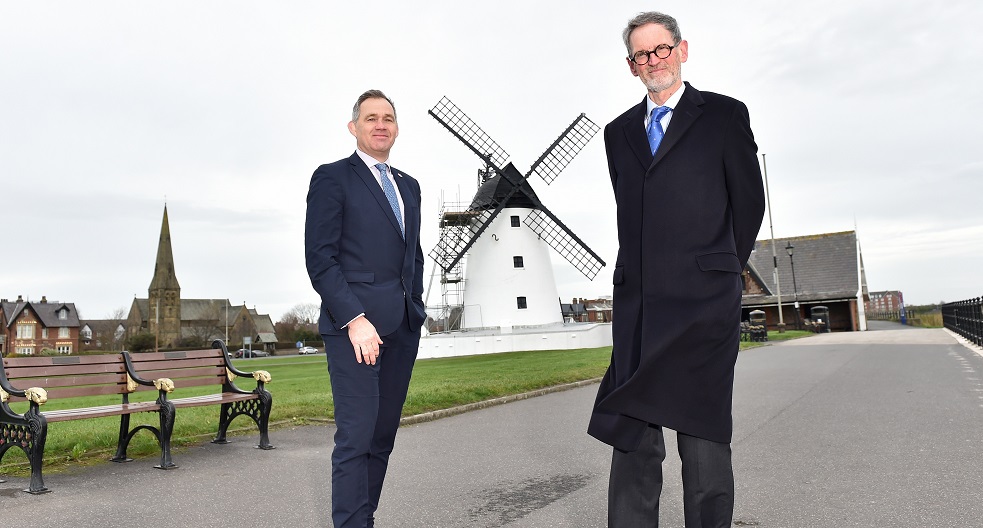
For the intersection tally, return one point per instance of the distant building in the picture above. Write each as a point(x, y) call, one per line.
point(31, 327)
point(885, 302)
point(191, 322)
point(587, 310)
point(102, 334)
point(829, 272)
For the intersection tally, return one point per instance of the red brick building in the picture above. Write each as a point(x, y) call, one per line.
point(31, 327)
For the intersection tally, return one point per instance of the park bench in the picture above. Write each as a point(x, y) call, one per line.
point(74, 376)
point(69, 377)
point(195, 368)
point(753, 332)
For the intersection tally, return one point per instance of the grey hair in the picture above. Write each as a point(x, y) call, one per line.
point(370, 94)
point(652, 17)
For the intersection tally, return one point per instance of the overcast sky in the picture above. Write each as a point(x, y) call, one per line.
point(869, 112)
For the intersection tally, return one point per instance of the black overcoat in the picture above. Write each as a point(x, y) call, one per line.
point(687, 221)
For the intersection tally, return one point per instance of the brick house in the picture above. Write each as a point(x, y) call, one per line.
point(31, 327)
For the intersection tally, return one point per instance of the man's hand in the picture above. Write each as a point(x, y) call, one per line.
point(365, 340)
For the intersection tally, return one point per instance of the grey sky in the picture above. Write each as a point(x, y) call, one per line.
point(869, 112)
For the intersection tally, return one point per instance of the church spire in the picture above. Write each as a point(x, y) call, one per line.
point(164, 277)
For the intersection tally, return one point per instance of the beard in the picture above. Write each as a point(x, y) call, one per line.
point(661, 83)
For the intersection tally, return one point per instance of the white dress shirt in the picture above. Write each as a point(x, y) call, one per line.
point(671, 103)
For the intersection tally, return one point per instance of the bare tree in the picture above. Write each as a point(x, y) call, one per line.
point(304, 313)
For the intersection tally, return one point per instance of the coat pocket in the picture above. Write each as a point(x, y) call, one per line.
point(619, 275)
point(719, 262)
point(359, 276)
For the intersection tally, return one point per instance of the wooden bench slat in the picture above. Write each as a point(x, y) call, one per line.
point(64, 360)
point(71, 381)
point(62, 370)
point(178, 364)
point(211, 399)
point(103, 410)
point(176, 374)
point(180, 354)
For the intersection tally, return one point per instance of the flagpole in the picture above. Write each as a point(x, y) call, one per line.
point(774, 254)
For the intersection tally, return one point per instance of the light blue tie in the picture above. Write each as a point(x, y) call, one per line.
point(655, 131)
point(387, 187)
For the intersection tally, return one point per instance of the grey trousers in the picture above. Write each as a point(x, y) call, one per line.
point(636, 482)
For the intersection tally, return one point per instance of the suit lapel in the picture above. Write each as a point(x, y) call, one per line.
point(409, 202)
point(683, 116)
point(375, 189)
point(634, 130)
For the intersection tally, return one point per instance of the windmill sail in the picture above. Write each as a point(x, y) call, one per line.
point(564, 149)
point(458, 123)
point(564, 241)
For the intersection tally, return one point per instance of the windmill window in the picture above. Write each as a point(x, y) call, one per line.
point(520, 302)
point(517, 262)
point(515, 221)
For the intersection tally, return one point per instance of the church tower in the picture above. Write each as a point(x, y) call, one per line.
point(165, 293)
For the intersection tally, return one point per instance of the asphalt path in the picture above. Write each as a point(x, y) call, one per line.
point(873, 429)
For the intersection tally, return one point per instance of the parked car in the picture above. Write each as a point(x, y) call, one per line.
point(307, 350)
point(246, 353)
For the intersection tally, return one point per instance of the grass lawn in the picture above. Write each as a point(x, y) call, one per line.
point(301, 392)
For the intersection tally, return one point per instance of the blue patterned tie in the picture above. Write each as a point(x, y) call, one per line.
point(387, 187)
point(655, 131)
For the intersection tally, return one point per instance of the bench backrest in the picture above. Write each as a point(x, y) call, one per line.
point(186, 368)
point(69, 376)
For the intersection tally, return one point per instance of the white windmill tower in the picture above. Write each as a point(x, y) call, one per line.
point(493, 254)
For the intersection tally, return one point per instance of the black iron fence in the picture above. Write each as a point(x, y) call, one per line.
point(965, 318)
point(887, 315)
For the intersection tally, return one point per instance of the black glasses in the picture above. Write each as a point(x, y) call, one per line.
point(642, 57)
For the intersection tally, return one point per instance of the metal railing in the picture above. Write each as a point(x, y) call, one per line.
point(965, 318)
point(888, 315)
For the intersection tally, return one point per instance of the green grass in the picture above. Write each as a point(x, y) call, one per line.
point(302, 393)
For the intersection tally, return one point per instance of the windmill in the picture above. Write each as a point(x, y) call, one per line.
point(494, 253)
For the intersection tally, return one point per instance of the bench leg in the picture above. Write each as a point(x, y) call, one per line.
point(123, 441)
point(167, 414)
point(225, 416)
point(258, 410)
point(266, 405)
point(33, 445)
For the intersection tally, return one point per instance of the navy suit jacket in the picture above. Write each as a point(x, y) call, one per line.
point(356, 258)
point(687, 221)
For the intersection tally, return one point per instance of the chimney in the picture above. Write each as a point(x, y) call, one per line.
point(20, 298)
point(44, 299)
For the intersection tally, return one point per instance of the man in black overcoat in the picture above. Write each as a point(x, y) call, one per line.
point(684, 168)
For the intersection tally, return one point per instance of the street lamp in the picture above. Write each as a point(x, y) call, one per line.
point(795, 288)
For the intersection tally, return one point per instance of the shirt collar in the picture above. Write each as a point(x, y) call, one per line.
point(671, 102)
point(370, 161)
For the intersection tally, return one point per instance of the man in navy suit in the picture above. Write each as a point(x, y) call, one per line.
point(684, 168)
point(364, 259)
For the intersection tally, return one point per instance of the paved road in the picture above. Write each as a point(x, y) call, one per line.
point(883, 428)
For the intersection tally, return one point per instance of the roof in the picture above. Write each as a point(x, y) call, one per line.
point(47, 313)
point(825, 268)
point(266, 337)
point(496, 188)
point(264, 324)
point(164, 277)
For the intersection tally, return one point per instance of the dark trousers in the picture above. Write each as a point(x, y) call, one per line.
point(636, 482)
point(368, 402)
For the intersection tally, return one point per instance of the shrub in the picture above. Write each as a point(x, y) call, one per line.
point(141, 342)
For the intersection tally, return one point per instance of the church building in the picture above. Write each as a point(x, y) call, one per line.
point(181, 322)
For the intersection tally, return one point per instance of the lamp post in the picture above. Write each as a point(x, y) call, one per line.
point(795, 288)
